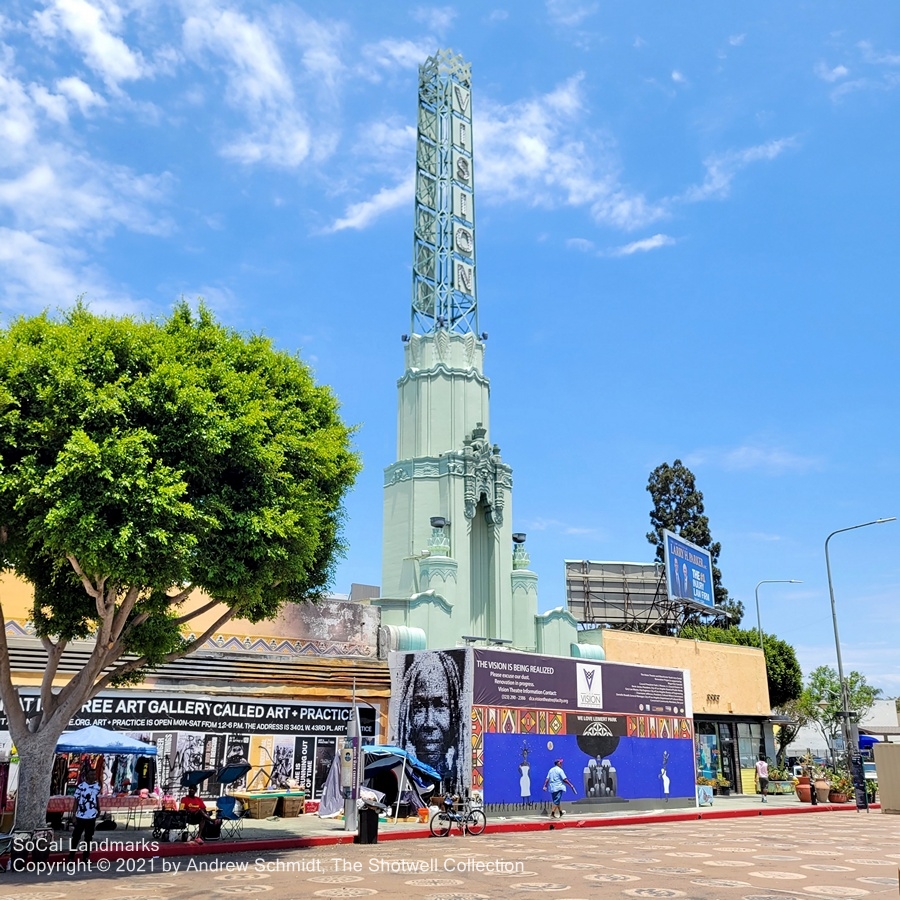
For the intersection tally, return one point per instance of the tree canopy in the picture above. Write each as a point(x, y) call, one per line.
point(678, 507)
point(783, 673)
point(141, 460)
point(821, 699)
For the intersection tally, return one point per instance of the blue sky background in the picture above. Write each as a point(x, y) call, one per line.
point(687, 247)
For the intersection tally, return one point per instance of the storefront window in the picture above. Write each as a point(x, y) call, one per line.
point(750, 743)
point(707, 749)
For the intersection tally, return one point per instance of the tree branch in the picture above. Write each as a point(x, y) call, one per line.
point(88, 584)
point(121, 617)
point(54, 654)
point(197, 612)
point(135, 664)
point(180, 597)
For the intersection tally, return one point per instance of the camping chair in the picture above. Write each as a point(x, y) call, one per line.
point(232, 822)
point(196, 777)
point(232, 772)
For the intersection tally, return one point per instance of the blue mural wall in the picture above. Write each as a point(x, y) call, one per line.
point(514, 763)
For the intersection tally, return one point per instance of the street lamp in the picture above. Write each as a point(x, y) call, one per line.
point(758, 619)
point(845, 700)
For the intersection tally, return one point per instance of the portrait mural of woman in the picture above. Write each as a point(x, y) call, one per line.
point(428, 718)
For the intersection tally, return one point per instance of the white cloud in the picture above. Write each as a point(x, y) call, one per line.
point(873, 57)
point(498, 15)
point(678, 77)
point(258, 84)
point(80, 94)
point(581, 244)
point(362, 214)
point(831, 75)
point(736, 39)
point(256, 75)
point(53, 105)
point(56, 200)
point(535, 151)
point(92, 29)
point(392, 54)
point(644, 246)
point(722, 168)
point(570, 12)
point(435, 18)
point(38, 273)
point(755, 457)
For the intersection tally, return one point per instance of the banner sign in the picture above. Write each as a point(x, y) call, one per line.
point(508, 679)
point(159, 712)
point(689, 572)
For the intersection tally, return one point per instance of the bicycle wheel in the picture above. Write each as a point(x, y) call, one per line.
point(441, 824)
point(476, 821)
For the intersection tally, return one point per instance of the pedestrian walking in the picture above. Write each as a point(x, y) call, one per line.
point(87, 808)
point(556, 782)
point(762, 775)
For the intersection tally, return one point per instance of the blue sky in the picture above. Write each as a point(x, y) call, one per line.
point(687, 248)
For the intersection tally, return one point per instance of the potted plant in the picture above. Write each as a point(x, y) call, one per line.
point(871, 789)
point(841, 785)
point(723, 786)
point(821, 783)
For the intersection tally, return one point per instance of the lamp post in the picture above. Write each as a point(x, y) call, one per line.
point(758, 619)
point(845, 700)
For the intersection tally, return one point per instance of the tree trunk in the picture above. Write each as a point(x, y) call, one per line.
point(36, 754)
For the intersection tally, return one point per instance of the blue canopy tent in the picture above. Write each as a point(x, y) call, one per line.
point(378, 758)
point(95, 739)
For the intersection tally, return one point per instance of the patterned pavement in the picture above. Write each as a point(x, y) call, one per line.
point(828, 855)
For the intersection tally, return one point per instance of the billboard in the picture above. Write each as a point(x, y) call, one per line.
point(689, 572)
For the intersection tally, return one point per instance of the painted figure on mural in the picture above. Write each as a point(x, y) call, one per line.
point(525, 776)
point(430, 721)
point(664, 775)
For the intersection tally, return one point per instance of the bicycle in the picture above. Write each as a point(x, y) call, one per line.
point(470, 821)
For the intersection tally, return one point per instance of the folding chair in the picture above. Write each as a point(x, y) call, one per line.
point(232, 772)
point(232, 822)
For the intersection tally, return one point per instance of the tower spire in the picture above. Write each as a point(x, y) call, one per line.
point(444, 296)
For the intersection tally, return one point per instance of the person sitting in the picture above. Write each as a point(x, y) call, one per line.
point(199, 815)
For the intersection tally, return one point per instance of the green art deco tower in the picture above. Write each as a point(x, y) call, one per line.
point(451, 565)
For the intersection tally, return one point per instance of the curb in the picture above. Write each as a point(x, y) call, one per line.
point(263, 845)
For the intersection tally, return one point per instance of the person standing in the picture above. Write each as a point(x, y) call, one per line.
point(556, 782)
point(87, 808)
point(762, 775)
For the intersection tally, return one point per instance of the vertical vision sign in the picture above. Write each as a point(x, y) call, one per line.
point(444, 294)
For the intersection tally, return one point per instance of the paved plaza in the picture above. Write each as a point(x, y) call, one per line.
point(839, 854)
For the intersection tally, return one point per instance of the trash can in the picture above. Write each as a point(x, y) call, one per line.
point(368, 826)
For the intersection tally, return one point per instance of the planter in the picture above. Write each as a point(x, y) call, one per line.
point(836, 797)
point(804, 791)
point(823, 789)
point(781, 787)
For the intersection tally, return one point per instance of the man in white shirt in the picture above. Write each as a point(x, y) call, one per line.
point(762, 775)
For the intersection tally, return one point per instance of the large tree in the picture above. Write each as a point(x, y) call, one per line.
point(783, 673)
point(140, 461)
point(821, 701)
point(678, 507)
